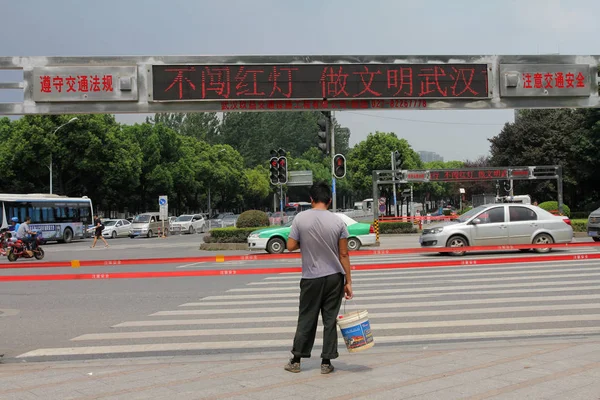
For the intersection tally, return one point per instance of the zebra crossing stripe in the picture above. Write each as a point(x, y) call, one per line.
point(274, 343)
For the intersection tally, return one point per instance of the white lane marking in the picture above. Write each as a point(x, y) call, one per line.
point(425, 294)
point(242, 311)
point(191, 265)
point(378, 276)
point(538, 267)
point(375, 326)
point(409, 287)
point(258, 344)
point(373, 316)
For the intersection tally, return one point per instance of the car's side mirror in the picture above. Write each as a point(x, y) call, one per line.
point(476, 221)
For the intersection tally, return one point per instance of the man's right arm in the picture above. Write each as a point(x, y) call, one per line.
point(345, 260)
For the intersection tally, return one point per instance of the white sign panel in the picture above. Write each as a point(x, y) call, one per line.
point(84, 83)
point(163, 203)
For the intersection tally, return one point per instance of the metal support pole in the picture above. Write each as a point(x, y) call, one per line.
point(332, 133)
point(559, 188)
point(54, 136)
point(281, 200)
point(375, 205)
point(209, 208)
point(412, 206)
point(394, 186)
point(50, 168)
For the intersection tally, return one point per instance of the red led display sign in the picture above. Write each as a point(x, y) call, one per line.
point(318, 81)
point(466, 175)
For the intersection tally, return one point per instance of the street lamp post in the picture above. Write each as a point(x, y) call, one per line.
point(209, 205)
point(54, 135)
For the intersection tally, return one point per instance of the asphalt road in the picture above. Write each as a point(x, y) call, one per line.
point(80, 319)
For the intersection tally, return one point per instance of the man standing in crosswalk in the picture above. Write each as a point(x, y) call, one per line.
point(326, 277)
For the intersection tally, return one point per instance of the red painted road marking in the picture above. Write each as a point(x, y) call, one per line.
point(262, 271)
point(258, 257)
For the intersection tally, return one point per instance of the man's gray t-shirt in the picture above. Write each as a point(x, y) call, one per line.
point(319, 232)
point(22, 232)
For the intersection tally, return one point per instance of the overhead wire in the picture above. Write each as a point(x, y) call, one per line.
point(424, 121)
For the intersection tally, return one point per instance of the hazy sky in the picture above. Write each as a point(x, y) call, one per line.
point(177, 27)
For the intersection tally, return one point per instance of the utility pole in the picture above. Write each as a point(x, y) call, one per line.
point(412, 207)
point(394, 186)
point(51, 161)
point(332, 133)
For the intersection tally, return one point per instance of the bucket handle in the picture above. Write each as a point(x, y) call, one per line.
point(346, 301)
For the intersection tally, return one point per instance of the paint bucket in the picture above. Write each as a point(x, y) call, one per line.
point(356, 330)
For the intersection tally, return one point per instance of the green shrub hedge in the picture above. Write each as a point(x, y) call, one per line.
point(229, 235)
point(396, 227)
point(579, 225)
point(252, 219)
point(553, 206)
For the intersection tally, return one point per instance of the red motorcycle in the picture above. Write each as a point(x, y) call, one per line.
point(5, 240)
point(20, 249)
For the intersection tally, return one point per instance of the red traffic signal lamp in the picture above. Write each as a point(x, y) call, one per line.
point(282, 171)
point(274, 170)
point(339, 166)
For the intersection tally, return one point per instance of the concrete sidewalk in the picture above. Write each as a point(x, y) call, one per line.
point(520, 369)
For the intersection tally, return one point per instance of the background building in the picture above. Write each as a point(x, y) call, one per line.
point(428, 156)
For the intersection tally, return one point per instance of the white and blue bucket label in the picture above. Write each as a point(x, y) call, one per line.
point(357, 335)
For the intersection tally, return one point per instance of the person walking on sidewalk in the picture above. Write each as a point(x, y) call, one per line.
point(326, 276)
point(98, 232)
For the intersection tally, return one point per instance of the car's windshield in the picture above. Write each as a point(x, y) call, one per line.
point(109, 223)
point(230, 217)
point(142, 218)
point(184, 218)
point(471, 213)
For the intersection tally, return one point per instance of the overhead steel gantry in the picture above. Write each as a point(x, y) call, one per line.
point(156, 84)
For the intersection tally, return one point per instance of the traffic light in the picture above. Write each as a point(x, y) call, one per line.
point(274, 170)
point(397, 160)
point(324, 139)
point(282, 175)
point(339, 166)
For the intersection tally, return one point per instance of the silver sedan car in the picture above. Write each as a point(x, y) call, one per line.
point(499, 224)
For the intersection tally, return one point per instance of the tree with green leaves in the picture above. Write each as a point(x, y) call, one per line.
point(566, 137)
point(374, 153)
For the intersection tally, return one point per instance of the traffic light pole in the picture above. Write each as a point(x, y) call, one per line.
point(281, 200)
point(332, 133)
point(394, 188)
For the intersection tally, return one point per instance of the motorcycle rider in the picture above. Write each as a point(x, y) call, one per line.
point(26, 235)
point(14, 225)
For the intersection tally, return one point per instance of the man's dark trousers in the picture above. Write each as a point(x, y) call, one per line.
point(322, 295)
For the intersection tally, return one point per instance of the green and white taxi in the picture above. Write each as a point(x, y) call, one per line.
point(274, 239)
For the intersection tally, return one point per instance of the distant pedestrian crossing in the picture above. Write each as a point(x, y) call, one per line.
point(405, 307)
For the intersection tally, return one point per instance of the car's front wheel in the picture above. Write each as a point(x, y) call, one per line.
point(596, 239)
point(113, 235)
point(276, 246)
point(457, 241)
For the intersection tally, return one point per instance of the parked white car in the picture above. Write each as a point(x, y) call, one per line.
point(188, 223)
point(116, 227)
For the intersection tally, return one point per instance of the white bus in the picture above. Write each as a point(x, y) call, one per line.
point(59, 218)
